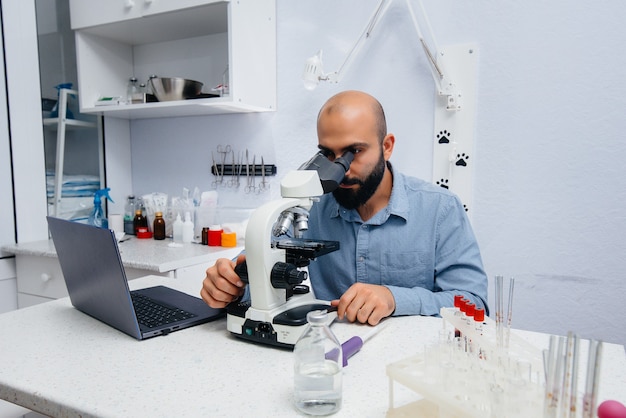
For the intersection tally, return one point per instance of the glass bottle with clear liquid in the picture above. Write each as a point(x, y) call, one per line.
point(318, 368)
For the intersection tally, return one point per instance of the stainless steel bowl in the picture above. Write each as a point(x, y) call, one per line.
point(174, 88)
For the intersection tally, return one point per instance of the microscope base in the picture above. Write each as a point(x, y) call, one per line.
point(280, 329)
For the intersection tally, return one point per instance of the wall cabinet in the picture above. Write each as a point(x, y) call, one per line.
point(196, 39)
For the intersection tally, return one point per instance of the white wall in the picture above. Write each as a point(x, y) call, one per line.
point(549, 188)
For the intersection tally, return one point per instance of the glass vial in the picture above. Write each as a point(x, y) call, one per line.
point(131, 90)
point(158, 226)
point(318, 368)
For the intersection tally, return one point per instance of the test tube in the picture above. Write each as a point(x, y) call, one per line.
point(499, 310)
point(593, 375)
point(574, 381)
point(549, 410)
point(567, 378)
point(509, 315)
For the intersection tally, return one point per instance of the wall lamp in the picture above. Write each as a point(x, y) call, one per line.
point(314, 70)
point(453, 134)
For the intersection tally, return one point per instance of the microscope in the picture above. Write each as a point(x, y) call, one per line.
point(275, 262)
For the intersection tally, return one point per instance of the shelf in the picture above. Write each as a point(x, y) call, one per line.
point(69, 123)
point(211, 106)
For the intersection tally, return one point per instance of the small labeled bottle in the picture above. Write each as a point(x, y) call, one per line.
point(318, 368)
point(140, 220)
point(158, 226)
point(187, 228)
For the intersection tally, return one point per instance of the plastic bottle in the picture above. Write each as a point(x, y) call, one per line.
point(55, 110)
point(158, 226)
point(187, 228)
point(177, 229)
point(97, 217)
point(140, 220)
point(141, 96)
point(318, 368)
point(129, 215)
point(131, 90)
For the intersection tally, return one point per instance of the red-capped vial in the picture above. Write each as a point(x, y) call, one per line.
point(469, 312)
point(463, 306)
point(479, 314)
point(479, 318)
point(457, 305)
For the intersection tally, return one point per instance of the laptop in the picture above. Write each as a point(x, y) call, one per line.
point(97, 285)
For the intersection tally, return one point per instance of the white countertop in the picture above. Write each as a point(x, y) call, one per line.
point(61, 362)
point(145, 254)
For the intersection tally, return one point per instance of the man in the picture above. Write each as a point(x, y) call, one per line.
point(406, 246)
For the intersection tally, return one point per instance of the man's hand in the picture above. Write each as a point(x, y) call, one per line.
point(365, 303)
point(222, 285)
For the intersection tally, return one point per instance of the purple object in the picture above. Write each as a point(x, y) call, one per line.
point(350, 348)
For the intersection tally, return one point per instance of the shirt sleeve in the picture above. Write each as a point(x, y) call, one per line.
point(458, 268)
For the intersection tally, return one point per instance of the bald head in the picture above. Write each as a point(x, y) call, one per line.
point(352, 103)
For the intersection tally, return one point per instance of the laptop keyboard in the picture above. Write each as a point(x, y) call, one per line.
point(151, 313)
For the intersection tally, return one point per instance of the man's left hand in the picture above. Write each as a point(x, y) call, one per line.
point(365, 303)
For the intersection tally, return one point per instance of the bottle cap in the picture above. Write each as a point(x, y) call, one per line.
point(215, 238)
point(142, 232)
point(157, 214)
point(479, 314)
point(470, 309)
point(138, 212)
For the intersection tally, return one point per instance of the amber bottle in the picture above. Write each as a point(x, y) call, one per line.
point(139, 220)
point(158, 226)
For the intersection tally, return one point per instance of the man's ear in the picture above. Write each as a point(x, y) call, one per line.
point(388, 143)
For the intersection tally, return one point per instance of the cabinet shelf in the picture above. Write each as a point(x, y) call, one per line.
point(217, 105)
point(193, 39)
point(69, 123)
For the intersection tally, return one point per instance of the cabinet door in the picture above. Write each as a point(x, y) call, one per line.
point(87, 13)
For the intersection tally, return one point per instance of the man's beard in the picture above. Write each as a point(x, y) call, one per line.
point(353, 198)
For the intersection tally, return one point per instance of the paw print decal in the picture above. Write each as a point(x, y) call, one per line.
point(443, 183)
point(461, 160)
point(443, 137)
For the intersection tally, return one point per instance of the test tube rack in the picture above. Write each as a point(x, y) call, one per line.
point(469, 373)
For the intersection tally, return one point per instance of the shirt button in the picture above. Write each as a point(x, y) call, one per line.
point(364, 226)
point(361, 259)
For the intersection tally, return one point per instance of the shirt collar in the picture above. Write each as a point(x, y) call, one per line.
point(398, 204)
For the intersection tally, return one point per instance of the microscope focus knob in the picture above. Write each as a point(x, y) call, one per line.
point(286, 275)
point(242, 271)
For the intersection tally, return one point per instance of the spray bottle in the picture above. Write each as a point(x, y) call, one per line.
point(97, 217)
point(55, 110)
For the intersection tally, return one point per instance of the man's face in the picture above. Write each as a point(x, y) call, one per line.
point(353, 130)
point(353, 197)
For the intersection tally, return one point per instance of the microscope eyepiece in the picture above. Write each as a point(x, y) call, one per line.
point(331, 173)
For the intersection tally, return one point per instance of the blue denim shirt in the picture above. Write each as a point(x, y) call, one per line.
point(421, 247)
